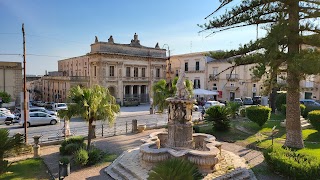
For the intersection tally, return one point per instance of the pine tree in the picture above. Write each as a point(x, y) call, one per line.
point(291, 24)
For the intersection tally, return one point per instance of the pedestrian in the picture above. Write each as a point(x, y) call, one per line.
point(202, 112)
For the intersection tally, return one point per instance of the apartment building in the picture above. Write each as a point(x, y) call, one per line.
point(11, 79)
point(127, 70)
point(203, 72)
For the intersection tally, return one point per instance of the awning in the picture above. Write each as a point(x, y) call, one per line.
point(204, 92)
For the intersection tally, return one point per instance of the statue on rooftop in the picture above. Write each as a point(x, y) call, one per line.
point(96, 39)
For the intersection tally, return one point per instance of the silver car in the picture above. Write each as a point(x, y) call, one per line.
point(212, 103)
point(42, 109)
point(40, 118)
point(6, 117)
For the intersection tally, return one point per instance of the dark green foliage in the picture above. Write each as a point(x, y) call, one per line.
point(243, 112)
point(196, 129)
point(309, 109)
point(70, 145)
point(293, 164)
point(284, 109)
point(314, 117)
point(81, 157)
point(64, 160)
point(219, 115)
point(5, 97)
point(233, 108)
point(95, 155)
point(177, 169)
point(281, 99)
point(258, 114)
point(73, 147)
point(6, 144)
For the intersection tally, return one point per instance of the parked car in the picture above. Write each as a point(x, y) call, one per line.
point(131, 102)
point(310, 103)
point(256, 100)
point(247, 101)
point(59, 106)
point(212, 103)
point(42, 109)
point(5, 117)
point(40, 118)
point(195, 107)
point(238, 100)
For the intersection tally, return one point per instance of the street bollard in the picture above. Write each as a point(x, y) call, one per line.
point(134, 126)
point(36, 146)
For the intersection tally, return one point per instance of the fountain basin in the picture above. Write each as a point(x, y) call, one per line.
point(204, 153)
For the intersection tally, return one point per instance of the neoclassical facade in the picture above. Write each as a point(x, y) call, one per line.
point(127, 70)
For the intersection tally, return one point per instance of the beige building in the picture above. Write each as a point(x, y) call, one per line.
point(11, 79)
point(127, 70)
point(203, 70)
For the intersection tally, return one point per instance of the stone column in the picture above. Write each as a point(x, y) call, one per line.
point(139, 90)
point(131, 90)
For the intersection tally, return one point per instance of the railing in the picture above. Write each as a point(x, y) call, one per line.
point(79, 78)
point(195, 69)
point(101, 130)
point(232, 77)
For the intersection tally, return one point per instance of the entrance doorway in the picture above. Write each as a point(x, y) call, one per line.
point(232, 96)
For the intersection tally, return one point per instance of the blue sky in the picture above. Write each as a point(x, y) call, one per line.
point(61, 29)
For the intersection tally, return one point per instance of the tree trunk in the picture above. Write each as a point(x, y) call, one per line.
point(66, 128)
point(293, 124)
point(89, 134)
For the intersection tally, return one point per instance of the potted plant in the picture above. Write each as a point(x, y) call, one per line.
point(64, 167)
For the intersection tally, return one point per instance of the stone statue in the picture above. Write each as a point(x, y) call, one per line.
point(96, 39)
point(181, 87)
point(157, 46)
point(110, 40)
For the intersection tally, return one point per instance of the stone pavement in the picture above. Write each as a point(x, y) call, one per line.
point(121, 143)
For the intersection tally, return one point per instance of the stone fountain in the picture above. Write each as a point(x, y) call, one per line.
point(178, 141)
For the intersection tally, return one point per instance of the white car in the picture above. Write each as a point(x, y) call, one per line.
point(6, 117)
point(42, 109)
point(59, 106)
point(212, 103)
point(40, 118)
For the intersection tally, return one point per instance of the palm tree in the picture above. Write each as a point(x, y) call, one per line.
point(93, 104)
point(162, 90)
point(7, 143)
point(67, 114)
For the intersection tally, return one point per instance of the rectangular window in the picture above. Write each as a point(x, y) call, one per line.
point(135, 72)
point(128, 72)
point(143, 72)
point(177, 73)
point(157, 72)
point(186, 66)
point(95, 71)
point(85, 72)
point(197, 66)
point(196, 83)
point(111, 74)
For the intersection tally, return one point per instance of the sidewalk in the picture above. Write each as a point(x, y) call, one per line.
point(118, 144)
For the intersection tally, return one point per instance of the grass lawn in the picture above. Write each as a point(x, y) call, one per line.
point(27, 170)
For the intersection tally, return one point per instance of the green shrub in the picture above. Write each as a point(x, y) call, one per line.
point(219, 115)
point(81, 157)
point(243, 112)
point(284, 109)
point(281, 99)
point(309, 109)
point(95, 155)
point(64, 160)
point(233, 108)
point(175, 169)
point(314, 117)
point(293, 164)
point(3, 166)
point(73, 147)
point(77, 141)
point(258, 114)
point(196, 129)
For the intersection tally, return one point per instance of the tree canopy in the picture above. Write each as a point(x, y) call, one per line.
point(6, 97)
point(291, 27)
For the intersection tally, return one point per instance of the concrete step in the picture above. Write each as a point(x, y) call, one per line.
point(304, 122)
point(306, 126)
point(123, 173)
point(110, 171)
point(237, 174)
point(131, 164)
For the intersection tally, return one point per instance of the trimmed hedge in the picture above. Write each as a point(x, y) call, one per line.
point(314, 117)
point(309, 109)
point(284, 109)
point(71, 145)
point(81, 157)
point(293, 164)
point(95, 156)
point(258, 114)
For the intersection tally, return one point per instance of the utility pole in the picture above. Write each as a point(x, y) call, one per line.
point(24, 87)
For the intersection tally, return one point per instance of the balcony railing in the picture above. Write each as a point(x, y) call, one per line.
point(232, 77)
point(194, 69)
point(79, 78)
point(213, 77)
point(231, 88)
